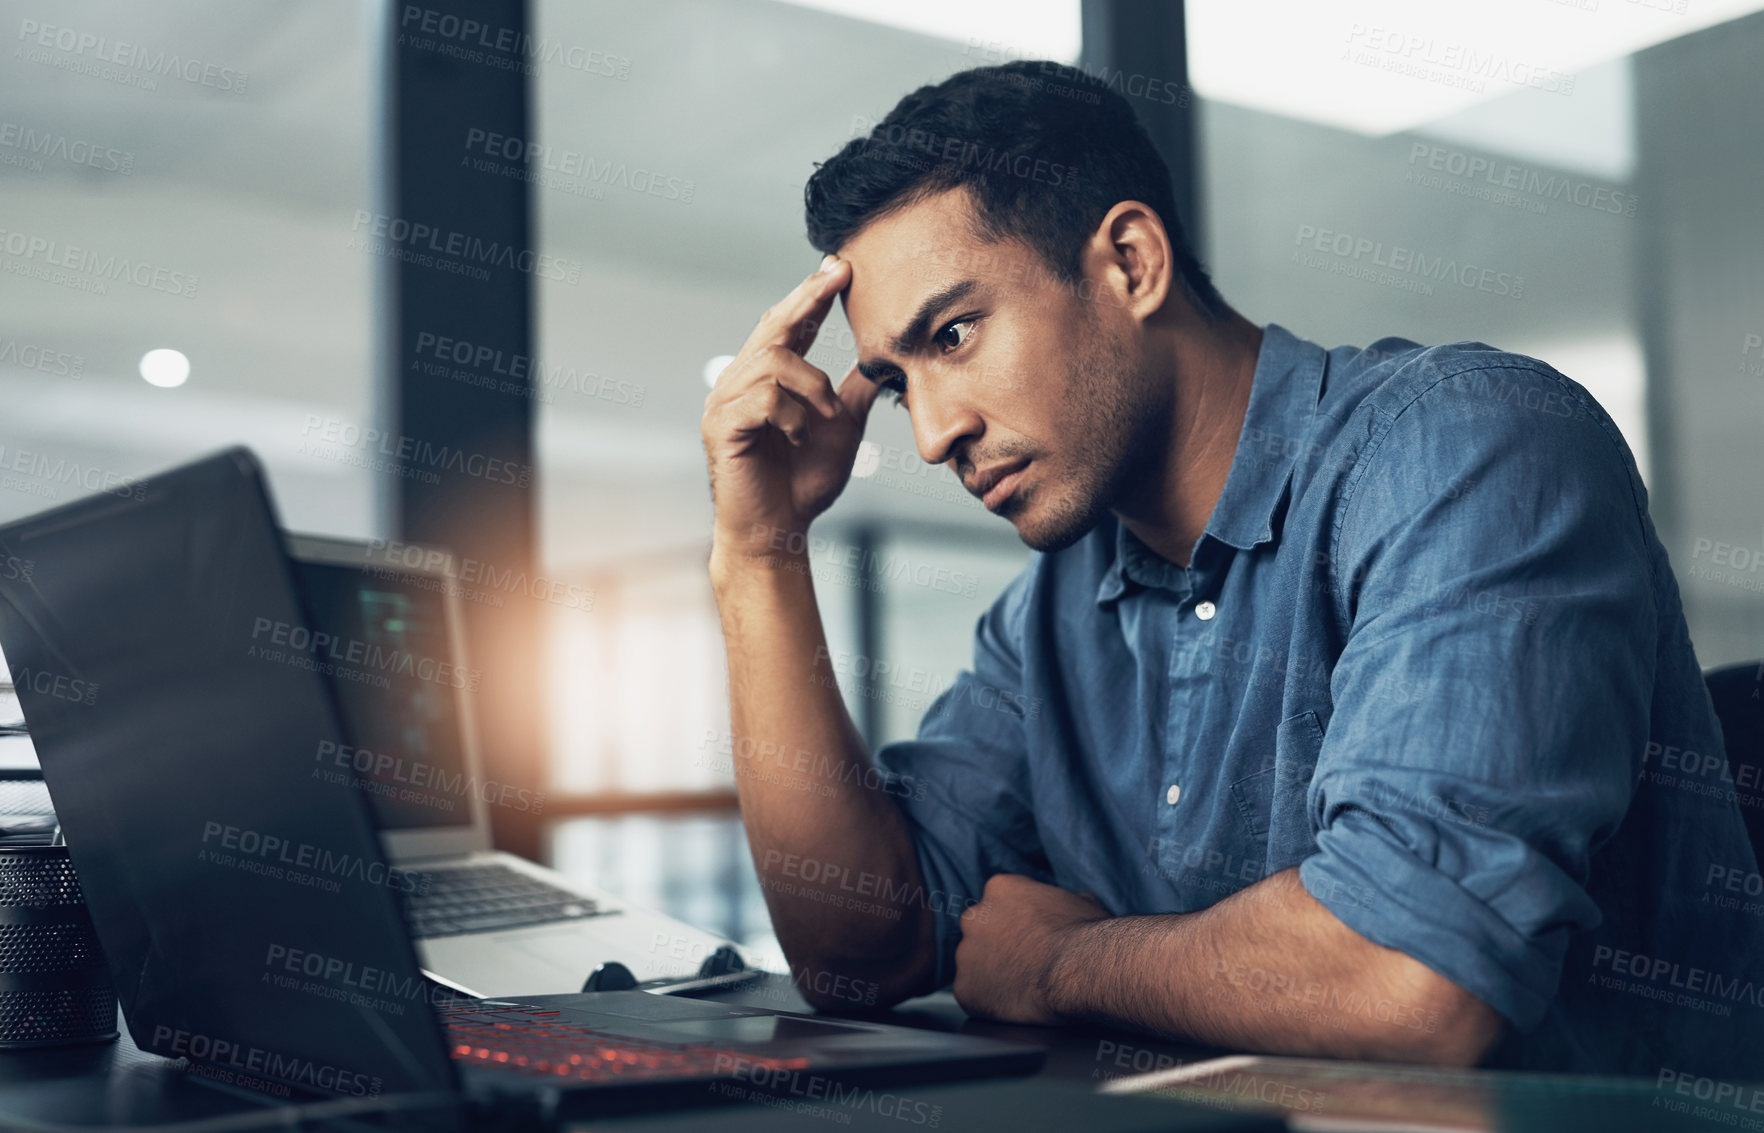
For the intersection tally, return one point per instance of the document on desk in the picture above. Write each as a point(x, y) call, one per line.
point(1327, 1096)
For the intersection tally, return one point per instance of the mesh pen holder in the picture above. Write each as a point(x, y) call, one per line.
point(54, 987)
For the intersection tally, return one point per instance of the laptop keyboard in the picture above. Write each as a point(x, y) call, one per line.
point(536, 1042)
point(484, 897)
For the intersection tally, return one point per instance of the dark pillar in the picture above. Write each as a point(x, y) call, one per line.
point(461, 433)
point(1145, 44)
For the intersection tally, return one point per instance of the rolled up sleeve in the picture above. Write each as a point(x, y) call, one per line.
point(963, 784)
point(1491, 700)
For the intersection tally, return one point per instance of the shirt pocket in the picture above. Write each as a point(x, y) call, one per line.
point(1254, 795)
point(1297, 742)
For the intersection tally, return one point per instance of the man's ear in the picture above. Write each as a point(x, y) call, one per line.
point(1129, 260)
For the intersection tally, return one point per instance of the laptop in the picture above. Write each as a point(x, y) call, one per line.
point(486, 922)
point(247, 914)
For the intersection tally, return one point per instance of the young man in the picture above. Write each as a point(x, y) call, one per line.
point(1319, 725)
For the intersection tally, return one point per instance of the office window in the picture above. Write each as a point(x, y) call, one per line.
point(686, 224)
point(181, 267)
point(673, 140)
point(1595, 213)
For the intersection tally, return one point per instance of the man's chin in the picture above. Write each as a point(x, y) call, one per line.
point(1051, 529)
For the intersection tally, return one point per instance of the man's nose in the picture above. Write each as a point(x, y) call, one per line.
point(941, 420)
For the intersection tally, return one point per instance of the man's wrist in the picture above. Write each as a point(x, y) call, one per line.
point(1065, 988)
point(731, 569)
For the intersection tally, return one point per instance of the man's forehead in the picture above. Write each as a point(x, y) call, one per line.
point(901, 259)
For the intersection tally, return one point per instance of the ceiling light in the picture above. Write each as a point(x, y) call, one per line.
point(992, 30)
point(1380, 66)
point(165, 368)
point(715, 367)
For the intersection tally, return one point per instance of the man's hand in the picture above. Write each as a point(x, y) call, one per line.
point(779, 439)
point(1010, 941)
point(1269, 968)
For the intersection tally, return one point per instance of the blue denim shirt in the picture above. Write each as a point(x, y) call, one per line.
point(1430, 651)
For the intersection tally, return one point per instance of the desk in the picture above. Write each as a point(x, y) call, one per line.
point(118, 1085)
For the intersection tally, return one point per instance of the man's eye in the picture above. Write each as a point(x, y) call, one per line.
point(947, 339)
point(895, 388)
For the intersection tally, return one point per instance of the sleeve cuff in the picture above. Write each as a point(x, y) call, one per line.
point(945, 895)
point(1392, 899)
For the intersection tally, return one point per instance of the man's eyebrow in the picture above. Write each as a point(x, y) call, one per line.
point(904, 342)
point(933, 306)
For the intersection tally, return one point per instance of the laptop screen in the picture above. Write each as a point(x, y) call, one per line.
point(397, 685)
point(208, 851)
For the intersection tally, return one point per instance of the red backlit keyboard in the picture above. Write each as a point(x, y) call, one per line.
point(534, 1041)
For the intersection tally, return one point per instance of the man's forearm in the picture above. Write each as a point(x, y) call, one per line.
point(1268, 969)
point(816, 818)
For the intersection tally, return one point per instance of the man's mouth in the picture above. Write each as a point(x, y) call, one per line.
point(997, 484)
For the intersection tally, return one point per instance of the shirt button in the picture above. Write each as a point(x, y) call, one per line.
point(1205, 611)
point(1174, 793)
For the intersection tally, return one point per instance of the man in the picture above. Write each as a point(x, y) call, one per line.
point(1320, 722)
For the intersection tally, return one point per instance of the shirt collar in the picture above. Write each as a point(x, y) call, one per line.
point(1276, 424)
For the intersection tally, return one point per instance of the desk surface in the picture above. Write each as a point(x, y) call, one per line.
point(118, 1085)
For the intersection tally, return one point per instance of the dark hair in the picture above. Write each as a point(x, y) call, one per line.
point(1045, 150)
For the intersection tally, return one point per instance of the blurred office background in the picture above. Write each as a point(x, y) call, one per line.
point(1601, 156)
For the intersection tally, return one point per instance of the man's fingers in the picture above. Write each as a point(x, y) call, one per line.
point(776, 366)
point(767, 406)
point(858, 393)
point(793, 321)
